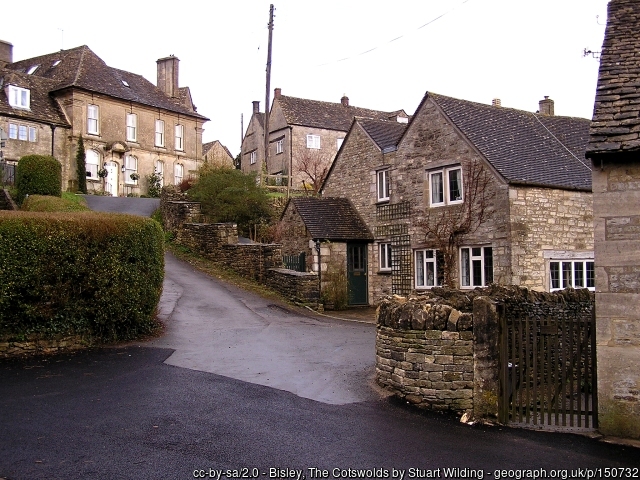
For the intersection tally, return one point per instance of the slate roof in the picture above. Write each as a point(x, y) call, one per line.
point(81, 68)
point(616, 117)
point(326, 115)
point(386, 134)
point(331, 218)
point(43, 108)
point(524, 147)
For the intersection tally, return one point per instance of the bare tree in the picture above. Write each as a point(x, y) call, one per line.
point(444, 228)
point(313, 165)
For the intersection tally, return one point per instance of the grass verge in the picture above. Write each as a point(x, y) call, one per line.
point(69, 202)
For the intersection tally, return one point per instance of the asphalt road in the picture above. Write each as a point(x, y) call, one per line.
point(131, 205)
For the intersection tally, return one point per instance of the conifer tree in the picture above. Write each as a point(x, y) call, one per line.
point(81, 167)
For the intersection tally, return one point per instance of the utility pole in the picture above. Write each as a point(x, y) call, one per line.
point(268, 91)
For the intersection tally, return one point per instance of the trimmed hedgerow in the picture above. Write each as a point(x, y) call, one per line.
point(96, 275)
point(39, 175)
point(47, 203)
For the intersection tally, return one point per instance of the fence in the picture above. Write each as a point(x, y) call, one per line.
point(297, 263)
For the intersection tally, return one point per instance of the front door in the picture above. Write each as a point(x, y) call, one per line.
point(111, 181)
point(357, 273)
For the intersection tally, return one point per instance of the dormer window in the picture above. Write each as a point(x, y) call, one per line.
point(19, 97)
point(402, 119)
point(56, 63)
point(32, 69)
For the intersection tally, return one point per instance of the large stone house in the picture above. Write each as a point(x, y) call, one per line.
point(469, 194)
point(130, 127)
point(614, 149)
point(304, 137)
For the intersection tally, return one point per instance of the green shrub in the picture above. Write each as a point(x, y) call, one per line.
point(46, 203)
point(38, 175)
point(98, 275)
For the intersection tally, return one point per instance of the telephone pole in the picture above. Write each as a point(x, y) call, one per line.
point(268, 91)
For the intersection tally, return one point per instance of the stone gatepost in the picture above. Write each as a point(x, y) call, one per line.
point(486, 386)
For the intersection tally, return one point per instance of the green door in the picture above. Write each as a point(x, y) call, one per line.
point(357, 273)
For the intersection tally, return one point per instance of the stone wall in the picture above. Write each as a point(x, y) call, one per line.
point(36, 346)
point(439, 350)
point(301, 287)
point(616, 192)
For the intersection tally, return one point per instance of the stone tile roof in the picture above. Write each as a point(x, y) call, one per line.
point(326, 115)
point(386, 134)
point(44, 108)
point(81, 68)
point(616, 117)
point(209, 145)
point(524, 147)
point(331, 218)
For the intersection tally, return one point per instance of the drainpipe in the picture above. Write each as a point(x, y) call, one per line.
point(53, 130)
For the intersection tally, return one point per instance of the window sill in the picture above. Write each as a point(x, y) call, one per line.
point(382, 202)
point(97, 134)
point(384, 272)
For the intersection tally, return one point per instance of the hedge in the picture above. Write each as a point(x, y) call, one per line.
point(47, 203)
point(81, 273)
point(40, 175)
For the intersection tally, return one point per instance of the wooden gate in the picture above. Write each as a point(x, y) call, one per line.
point(548, 372)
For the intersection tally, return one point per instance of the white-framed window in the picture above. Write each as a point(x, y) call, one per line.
point(13, 131)
point(19, 97)
point(178, 174)
point(252, 157)
point(280, 146)
point(22, 132)
point(93, 113)
point(179, 137)
point(132, 127)
point(572, 274)
point(429, 268)
point(91, 164)
point(33, 134)
point(382, 182)
point(476, 266)
point(130, 167)
point(385, 257)
point(339, 142)
point(445, 186)
point(313, 141)
point(160, 171)
point(159, 133)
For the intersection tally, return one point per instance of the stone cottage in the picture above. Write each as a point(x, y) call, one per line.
point(130, 127)
point(469, 194)
point(304, 136)
point(614, 149)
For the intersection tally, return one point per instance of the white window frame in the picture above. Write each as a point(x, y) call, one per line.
point(93, 119)
point(32, 134)
point(132, 127)
point(426, 268)
point(90, 166)
point(280, 146)
point(13, 131)
point(159, 168)
point(473, 262)
point(572, 273)
point(313, 141)
point(178, 173)
point(19, 97)
point(130, 166)
point(179, 140)
point(159, 136)
point(23, 133)
point(385, 263)
point(445, 174)
point(382, 185)
point(252, 157)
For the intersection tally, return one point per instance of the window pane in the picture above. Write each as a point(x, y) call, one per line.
point(578, 274)
point(32, 134)
point(455, 185)
point(566, 275)
point(465, 273)
point(22, 132)
point(430, 273)
point(476, 266)
point(488, 265)
point(420, 268)
point(389, 263)
point(591, 275)
point(476, 252)
point(440, 267)
point(13, 131)
point(554, 270)
point(436, 188)
point(92, 161)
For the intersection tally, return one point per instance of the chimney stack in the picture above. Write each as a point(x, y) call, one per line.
point(344, 100)
point(546, 106)
point(277, 92)
point(168, 75)
point(6, 53)
point(496, 102)
point(256, 106)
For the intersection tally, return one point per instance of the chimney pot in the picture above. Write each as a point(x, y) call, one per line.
point(496, 102)
point(546, 106)
point(256, 106)
point(6, 53)
point(277, 92)
point(344, 100)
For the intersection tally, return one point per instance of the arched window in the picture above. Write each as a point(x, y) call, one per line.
point(92, 163)
point(160, 171)
point(130, 168)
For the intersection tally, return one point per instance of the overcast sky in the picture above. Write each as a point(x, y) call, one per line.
point(383, 55)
